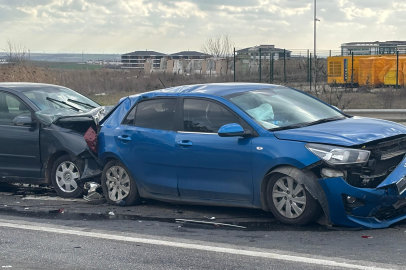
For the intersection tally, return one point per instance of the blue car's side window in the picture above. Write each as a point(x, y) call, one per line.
point(205, 116)
point(156, 114)
point(129, 120)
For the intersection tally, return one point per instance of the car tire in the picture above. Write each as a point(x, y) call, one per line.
point(119, 185)
point(290, 202)
point(65, 175)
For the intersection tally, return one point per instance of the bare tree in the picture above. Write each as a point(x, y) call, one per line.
point(220, 46)
point(16, 52)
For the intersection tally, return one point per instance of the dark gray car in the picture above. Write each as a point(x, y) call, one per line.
point(42, 136)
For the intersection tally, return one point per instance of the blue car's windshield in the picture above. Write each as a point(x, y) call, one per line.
point(59, 97)
point(283, 108)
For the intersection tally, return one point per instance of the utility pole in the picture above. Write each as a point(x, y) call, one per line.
point(315, 44)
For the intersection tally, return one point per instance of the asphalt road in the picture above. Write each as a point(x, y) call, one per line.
point(41, 231)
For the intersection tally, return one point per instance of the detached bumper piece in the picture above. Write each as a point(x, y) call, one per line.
point(363, 207)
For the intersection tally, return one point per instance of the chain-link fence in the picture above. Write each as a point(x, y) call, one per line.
point(305, 70)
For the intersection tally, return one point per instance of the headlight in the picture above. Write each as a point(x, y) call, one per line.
point(339, 156)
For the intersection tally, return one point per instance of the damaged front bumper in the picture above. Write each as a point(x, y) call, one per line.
point(366, 207)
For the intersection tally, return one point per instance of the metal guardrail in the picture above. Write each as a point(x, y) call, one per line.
point(397, 115)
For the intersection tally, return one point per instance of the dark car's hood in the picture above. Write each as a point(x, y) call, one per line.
point(50, 116)
point(347, 132)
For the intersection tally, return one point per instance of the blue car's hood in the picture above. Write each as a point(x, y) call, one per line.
point(347, 132)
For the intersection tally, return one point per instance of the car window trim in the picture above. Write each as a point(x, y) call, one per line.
point(149, 99)
point(25, 103)
point(181, 128)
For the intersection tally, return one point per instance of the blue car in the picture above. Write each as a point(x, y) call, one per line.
point(255, 145)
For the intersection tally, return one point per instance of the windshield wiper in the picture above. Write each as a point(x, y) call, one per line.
point(325, 120)
point(287, 127)
point(63, 102)
point(81, 103)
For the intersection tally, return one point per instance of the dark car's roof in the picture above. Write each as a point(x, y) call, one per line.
point(24, 86)
point(214, 89)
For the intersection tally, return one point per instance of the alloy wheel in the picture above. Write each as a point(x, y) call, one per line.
point(117, 183)
point(66, 176)
point(289, 197)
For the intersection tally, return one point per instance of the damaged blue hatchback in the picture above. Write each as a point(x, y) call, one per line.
point(255, 145)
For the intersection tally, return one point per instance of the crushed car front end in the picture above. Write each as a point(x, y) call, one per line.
point(370, 194)
point(74, 133)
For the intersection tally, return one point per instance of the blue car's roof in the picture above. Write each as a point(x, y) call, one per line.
point(213, 89)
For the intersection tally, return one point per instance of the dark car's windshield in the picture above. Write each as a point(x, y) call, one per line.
point(283, 108)
point(59, 97)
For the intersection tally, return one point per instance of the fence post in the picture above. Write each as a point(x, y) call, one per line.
point(271, 68)
point(310, 71)
point(330, 53)
point(260, 65)
point(308, 67)
point(234, 65)
point(397, 69)
point(284, 65)
point(315, 71)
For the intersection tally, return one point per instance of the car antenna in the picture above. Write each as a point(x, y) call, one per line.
point(161, 82)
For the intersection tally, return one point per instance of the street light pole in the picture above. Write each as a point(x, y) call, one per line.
point(315, 47)
point(315, 21)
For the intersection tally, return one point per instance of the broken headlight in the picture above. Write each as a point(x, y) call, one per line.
point(334, 155)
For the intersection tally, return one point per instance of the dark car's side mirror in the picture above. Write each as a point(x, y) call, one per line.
point(233, 130)
point(23, 120)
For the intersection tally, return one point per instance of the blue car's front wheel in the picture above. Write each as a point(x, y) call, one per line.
point(290, 202)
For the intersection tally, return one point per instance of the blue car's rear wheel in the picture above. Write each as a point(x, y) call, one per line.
point(118, 184)
point(290, 202)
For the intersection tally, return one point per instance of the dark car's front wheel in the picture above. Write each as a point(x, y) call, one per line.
point(290, 202)
point(118, 184)
point(65, 175)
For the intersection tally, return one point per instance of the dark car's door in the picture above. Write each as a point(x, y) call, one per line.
point(146, 143)
point(210, 166)
point(19, 145)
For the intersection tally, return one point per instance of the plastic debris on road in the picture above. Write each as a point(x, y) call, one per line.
point(216, 224)
point(94, 193)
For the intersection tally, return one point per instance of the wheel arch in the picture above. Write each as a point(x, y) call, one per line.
point(306, 178)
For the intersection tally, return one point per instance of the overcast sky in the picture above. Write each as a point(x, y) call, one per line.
point(119, 26)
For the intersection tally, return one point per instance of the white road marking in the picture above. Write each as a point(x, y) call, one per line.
point(251, 253)
point(48, 198)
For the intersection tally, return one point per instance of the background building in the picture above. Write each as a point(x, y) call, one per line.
point(373, 48)
point(266, 52)
point(137, 59)
point(188, 55)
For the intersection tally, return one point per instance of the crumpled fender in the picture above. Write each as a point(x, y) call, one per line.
point(309, 180)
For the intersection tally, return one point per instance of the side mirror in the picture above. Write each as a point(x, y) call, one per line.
point(23, 120)
point(233, 130)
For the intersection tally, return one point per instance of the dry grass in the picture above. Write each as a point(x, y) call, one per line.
point(115, 84)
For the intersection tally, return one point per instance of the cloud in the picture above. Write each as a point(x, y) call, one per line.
point(119, 26)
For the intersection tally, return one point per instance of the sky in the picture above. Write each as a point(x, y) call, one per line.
point(168, 26)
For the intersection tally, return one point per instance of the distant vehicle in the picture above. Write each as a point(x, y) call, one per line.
point(42, 131)
point(259, 146)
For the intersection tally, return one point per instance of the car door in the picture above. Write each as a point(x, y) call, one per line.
point(19, 145)
point(146, 143)
point(210, 166)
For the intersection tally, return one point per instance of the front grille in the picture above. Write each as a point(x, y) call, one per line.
point(386, 155)
point(389, 212)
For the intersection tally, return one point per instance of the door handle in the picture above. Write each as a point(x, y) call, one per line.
point(124, 138)
point(185, 143)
